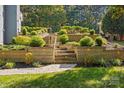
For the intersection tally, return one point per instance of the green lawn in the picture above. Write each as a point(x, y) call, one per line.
point(78, 77)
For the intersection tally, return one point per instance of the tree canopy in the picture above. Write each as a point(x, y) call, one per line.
point(60, 15)
point(113, 20)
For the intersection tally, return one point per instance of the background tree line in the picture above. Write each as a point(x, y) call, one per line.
point(87, 16)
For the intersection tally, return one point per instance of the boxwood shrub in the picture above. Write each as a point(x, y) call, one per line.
point(64, 38)
point(22, 40)
point(34, 33)
point(100, 41)
point(37, 41)
point(62, 31)
point(87, 41)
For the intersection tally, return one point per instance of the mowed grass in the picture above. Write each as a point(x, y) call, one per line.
point(79, 77)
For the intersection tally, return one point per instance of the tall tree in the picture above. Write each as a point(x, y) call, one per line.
point(113, 20)
point(47, 16)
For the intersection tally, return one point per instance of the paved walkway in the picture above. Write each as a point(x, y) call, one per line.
point(45, 69)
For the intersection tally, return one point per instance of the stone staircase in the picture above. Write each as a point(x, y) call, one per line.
point(63, 55)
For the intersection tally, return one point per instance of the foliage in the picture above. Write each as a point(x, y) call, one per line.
point(9, 65)
point(2, 63)
point(73, 43)
point(116, 62)
point(24, 31)
point(13, 47)
point(37, 41)
point(22, 40)
point(45, 16)
point(92, 31)
point(14, 40)
point(64, 38)
point(36, 64)
point(34, 33)
point(113, 20)
point(62, 31)
point(100, 41)
point(85, 15)
point(85, 30)
point(67, 27)
point(28, 58)
point(87, 41)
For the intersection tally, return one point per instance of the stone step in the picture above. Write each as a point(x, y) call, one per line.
point(65, 51)
point(64, 61)
point(61, 49)
point(65, 54)
point(65, 58)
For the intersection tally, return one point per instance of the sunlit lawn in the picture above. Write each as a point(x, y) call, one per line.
point(78, 77)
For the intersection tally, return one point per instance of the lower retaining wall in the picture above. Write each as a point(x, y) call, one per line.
point(44, 55)
point(92, 54)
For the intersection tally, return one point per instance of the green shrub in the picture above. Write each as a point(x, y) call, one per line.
point(87, 41)
point(64, 38)
point(22, 40)
point(73, 43)
point(24, 31)
point(92, 31)
point(77, 28)
point(36, 64)
point(62, 31)
point(2, 63)
point(84, 30)
point(14, 40)
point(67, 27)
point(9, 65)
point(116, 62)
point(37, 41)
point(101, 62)
point(34, 33)
point(100, 41)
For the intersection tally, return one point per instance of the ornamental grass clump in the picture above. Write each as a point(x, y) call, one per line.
point(87, 41)
point(28, 58)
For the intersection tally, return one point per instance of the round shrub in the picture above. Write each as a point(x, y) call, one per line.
point(9, 65)
point(37, 41)
point(92, 32)
point(22, 40)
point(84, 30)
point(34, 33)
point(62, 31)
point(77, 27)
point(100, 41)
point(116, 62)
point(87, 41)
point(14, 40)
point(28, 58)
point(64, 38)
point(2, 63)
point(24, 31)
point(67, 27)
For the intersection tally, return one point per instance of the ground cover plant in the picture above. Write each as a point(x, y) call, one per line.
point(79, 77)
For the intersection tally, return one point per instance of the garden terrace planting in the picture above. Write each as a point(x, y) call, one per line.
point(26, 30)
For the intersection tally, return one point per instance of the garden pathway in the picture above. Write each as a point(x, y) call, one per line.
point(44, 69)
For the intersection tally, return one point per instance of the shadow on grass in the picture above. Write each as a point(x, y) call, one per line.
point(76, 78)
